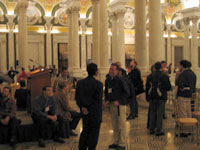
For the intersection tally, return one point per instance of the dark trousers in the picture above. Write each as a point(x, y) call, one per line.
point(90, 134)
point(133, 107)
point(148, 118)
point(42, 123)
point(75, 119)
point(136, 107)
point(156, 114)
point(12, 125)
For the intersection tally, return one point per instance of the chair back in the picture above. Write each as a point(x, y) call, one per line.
point(176, 108)
point(194, 102)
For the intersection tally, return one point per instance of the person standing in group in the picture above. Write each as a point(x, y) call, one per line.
point(185, 87)
point(89, 92)
point(147, 94)
point(157, 86)
point(116, 97)
point(137, 82)
point(123, 71)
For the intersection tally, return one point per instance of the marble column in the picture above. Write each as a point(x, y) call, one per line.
point(156, 52)
point(3, 60)
point(114, 36)
point(22, 6)
point(169, 50)
point(120, 51)
point(104, 53)
point(11, 52)
point(83, 45)
point(48, 26)
point(69, 14)
point(95, 32)
point(141, 51)
point(76, 72)
point(194, 45)
point(186, 49)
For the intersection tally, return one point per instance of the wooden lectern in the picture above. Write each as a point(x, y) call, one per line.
point(36, 81)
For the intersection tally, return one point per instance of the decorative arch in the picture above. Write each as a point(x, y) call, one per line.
point(55, 8)
point(3, 7)
point(88, 11)
point(177, 22)
point(38, 6)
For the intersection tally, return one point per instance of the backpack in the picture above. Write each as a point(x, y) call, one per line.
point(155, 91)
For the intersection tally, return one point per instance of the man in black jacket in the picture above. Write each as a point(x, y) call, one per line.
point(116, 97)
point(157, 103)
point(137, 82)
point(185, 83)
point(89, 94)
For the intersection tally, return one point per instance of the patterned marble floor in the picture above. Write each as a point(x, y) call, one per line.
point(138, 137)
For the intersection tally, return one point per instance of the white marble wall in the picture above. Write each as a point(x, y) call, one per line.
point(36, 45)
point(3, 53)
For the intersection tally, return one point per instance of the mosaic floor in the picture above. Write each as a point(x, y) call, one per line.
point(139, 139)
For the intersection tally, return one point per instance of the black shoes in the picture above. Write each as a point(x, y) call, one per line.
point(13, 141)
point(151, 132)
point(71, 133)
point(59, 140)
point(117, 147)
point(183, 135)
point(120, 148)
point(41, 143)
point(130, 117)
point(113, 146)
point(159, 133)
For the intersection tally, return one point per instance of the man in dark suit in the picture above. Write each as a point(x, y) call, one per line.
point(89, 93)
point(136, 79)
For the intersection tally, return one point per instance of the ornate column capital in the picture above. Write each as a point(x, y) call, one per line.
point(48, 20)
point(194, 19)
point(120, 12)
point(10, 23)
point(75, 8)
point(113, 16)
point(83, 24)
point(168, 27)
point(186, 21)
point(22, 5)
point(69, 11)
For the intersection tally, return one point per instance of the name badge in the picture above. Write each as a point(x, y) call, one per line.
point(109, 90)
point(47, 109)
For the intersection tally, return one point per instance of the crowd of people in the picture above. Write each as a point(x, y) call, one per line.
point(52, 107)
point(122, 89)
